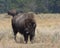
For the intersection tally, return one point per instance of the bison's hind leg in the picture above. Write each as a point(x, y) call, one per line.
point(15, 33)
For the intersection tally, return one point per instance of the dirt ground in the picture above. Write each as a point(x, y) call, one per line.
point(47, 32)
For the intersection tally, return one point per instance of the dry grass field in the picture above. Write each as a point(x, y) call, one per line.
point(47, 32)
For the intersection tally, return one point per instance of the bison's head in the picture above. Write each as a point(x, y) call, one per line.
point(30, 28)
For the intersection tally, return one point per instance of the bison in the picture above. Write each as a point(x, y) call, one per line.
point(12, 12)
point(24, 24)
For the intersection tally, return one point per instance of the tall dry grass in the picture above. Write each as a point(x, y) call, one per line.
point(47, 32)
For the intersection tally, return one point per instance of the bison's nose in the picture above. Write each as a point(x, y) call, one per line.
point(27, 32)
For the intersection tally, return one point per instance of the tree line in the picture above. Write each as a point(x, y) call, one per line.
point(38, 6)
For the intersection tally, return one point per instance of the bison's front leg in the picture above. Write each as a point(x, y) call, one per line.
point(32, 36)
point(26, 38)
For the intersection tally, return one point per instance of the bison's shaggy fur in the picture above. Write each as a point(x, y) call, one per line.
point(24, 24)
